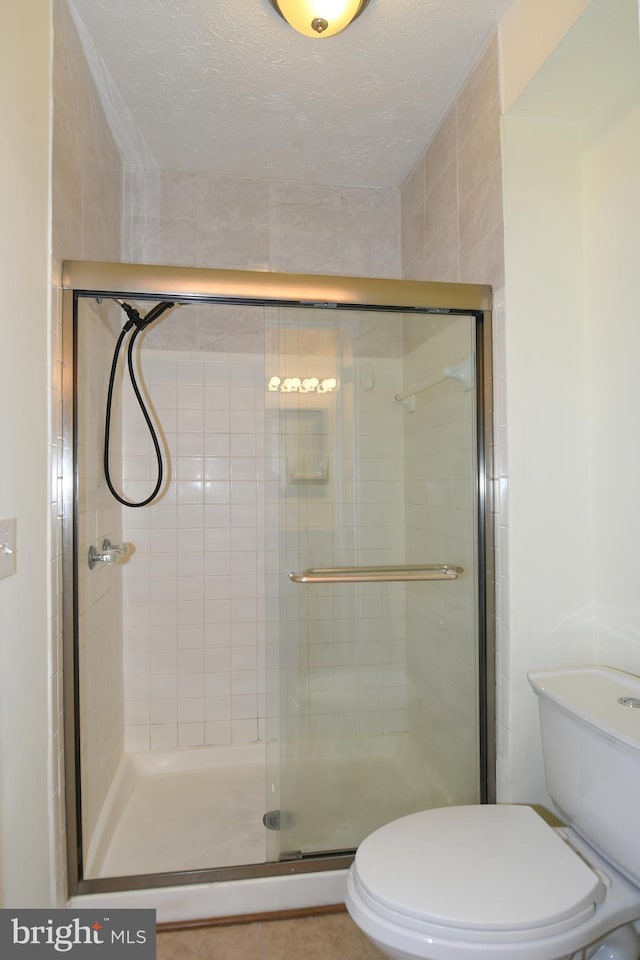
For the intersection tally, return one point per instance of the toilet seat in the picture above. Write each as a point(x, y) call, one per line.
point(478, 870)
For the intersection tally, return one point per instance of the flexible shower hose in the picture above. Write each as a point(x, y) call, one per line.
point(139, 323)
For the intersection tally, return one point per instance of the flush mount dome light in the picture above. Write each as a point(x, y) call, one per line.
point(319, 18)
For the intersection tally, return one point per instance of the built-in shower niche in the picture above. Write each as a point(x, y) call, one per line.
point(219, 679)
point(306, 457)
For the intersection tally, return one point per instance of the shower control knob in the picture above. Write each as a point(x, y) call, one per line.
point(110, 553)
point(8, 546)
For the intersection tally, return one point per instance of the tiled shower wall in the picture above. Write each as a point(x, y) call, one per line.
point(87, 169)
point(452, 201)
point(225, 222)
point(233, 223)
point(236, 508)
point(343, 644)
point(194, 597)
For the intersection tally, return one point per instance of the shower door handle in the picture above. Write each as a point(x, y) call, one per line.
point(383, 574)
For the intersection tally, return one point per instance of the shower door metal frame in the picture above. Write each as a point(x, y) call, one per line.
point(186, 284)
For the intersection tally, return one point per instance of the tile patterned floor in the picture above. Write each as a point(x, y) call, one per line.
point(333, 937)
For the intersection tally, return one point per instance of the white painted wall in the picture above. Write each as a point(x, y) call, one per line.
point(549, 536)
point(571, 228)
point(25, 99)
point(529, 32)
point(612, 240)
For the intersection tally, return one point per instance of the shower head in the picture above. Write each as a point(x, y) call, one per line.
point(157, 311)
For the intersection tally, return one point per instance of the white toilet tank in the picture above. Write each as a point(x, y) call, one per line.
point(590, 724)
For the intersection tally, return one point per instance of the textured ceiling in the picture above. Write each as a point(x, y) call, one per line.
point(226, 86)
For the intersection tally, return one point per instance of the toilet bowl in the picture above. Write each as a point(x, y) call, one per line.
point(496, 881)
point(486, 881)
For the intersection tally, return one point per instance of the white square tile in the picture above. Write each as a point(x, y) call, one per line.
point(191, 661)
point(243, 445)
point(137, 688)
point(244, 634)
point(163, 638)
point(191, 685)
point(216, 612)
point(218, 708)
point(164, 736)
point(190, 540)
point(136, 638)
point(191, 734)
point(190, 588)
point(244, 682)
point(216, 588)
point(190, 710)
point(218, 732)
point(190, 564)
point(163, 662)
point(188, 372)
point(163, 612)
point(136, 738)
point(190, 613)
point(137, 712)
point(244, 731)
point(137, 664)
point(163, 711)
point(216, 397)
point(244, 707)
point(190, 396)
point(163, 687)
point(191, 635)
point(217, 659)
point(216, 373)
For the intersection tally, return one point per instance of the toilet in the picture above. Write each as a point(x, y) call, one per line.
point(496, 881)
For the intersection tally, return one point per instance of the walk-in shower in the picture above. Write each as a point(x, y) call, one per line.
point(291, 644)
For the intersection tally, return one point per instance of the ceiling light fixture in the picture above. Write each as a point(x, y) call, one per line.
point(319, 18)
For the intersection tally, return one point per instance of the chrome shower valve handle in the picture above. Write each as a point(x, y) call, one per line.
point(110, 553)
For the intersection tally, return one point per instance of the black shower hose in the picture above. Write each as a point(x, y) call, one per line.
point(139, 323)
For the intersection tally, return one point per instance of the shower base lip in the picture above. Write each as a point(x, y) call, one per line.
point(232, 898)
point(196, 758)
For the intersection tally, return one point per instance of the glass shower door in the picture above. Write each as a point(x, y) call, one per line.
point(373, 636)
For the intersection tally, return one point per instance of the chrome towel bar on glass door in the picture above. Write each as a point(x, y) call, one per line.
point(386, 574)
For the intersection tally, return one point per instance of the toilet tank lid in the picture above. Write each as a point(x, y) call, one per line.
point(604, 698)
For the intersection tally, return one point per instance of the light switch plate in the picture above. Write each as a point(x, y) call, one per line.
point(8, 546)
